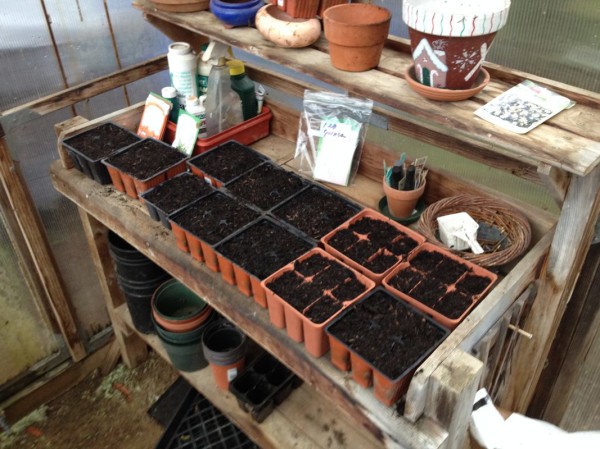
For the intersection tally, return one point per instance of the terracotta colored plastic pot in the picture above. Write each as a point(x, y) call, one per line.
point(401, 203)
point(178, 309)
point(356, 33)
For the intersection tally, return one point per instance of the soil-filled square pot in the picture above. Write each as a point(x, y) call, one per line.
point(440, 283)
point(88, 148)
point(174, 194)
point(306, 304)
point(257, 251)
point(316, 211)
point(204, 223)
point(143, 165)
point(267, 185)
point(225, 162)
point(371, 243)
point(383, 340)
point(263, 385)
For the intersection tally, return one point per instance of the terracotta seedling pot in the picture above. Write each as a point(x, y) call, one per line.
point(356, 33)
point(302, 9)
point(326, 4)
point(401, 203)
point(450, 42)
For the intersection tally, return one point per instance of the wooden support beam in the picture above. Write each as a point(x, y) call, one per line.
point(133, 349)
point(30, 226)
point(569, 247)
point(556, 180)
point(176, 33)
point(452, 391)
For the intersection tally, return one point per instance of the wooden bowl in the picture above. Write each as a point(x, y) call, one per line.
point(437, 94)
point(180, 5)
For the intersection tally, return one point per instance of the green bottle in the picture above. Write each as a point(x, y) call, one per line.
point(244, 87)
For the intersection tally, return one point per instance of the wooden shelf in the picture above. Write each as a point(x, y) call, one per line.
point(563, 142)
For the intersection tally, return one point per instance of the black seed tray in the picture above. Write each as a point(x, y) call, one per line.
point(262, 386)
point(199, 425)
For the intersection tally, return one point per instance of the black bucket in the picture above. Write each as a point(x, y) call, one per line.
point(138, 277)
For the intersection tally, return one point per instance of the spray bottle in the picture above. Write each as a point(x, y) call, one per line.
point(203, 72)
point(223, 105)
point(244, 86)
point(195, 106)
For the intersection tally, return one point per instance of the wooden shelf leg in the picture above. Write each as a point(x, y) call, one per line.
point(133, 349)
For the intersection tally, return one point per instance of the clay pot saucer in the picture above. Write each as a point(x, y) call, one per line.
point(437, 94)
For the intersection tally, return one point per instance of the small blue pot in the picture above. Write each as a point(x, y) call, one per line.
point(236, 14)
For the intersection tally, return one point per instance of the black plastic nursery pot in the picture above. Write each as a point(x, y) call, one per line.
point(225, 162)
point(315, 211)
point(263, 385)
point(87, 149)
point(143, 165)
point(256, 251)
point(224, 346)
point(267, 186)
point(383, 340)
point(172, 195)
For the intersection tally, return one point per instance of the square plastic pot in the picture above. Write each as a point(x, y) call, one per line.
point(248, 280)
point(245, 133)
point(452, 287)
point(299, 326)
point(380, 251)
point(91, 163)
point(387, 390)
point(135, 186)
point(232, 160)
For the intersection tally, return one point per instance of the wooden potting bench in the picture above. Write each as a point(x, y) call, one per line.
point(490, 348)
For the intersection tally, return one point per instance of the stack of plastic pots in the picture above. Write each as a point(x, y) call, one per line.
point(224, 347)
point(138, 277)
point(180, 318)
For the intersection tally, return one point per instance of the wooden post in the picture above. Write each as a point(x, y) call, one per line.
point(30, 226)
point(133, 349)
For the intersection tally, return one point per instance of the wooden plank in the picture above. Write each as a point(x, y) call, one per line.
point(75, 94)
point(59, 129)
point(569, 247)
point(453, 388)
point(30, 226)
point(561, 142)
point(133, 349)
point(304, 420)
point(556, 180)
point(129, 219)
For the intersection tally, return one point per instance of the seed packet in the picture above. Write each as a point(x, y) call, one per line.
point(155, 117)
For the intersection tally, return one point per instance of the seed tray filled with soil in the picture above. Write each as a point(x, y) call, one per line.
point(440, 283)
point(262, 386)
point(316, 211)
point(372, 243)
point(89, 148)
point(304, 300)
point(143, 165)
point(207, 221)
point(255, 252)
point(226, 162)
point(266, 186)
point(173, 195)
point(383, 340)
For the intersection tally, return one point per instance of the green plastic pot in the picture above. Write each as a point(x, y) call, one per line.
point(177, 308)
point(183, 337)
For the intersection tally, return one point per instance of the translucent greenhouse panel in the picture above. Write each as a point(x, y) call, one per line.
point(26, 337)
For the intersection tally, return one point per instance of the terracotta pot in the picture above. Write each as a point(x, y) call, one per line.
point(326, 4)
point(449, 42)
point(284, 30)
point(356, 33)
point(302, 9)
point(401, 203)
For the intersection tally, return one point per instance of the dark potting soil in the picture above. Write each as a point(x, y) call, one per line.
point(361, 251)
point(387, 333)
point(215, 217)
point(266, 186)
point(406, 279)
point(426, 261)
point(473, 284)
point(349, 290)
point(311, 265)
point(263, 248)
point(381, 261)
point(146, 159)
point(228, 161)
point(303, 296)
point(428, 291)
point(402, 246)
point(288, 281)
point(315, 211)
point(343, 239)
point(102, 141)
point(449, 270)
point(321, 310)
point(177, 192)
point(453, 304)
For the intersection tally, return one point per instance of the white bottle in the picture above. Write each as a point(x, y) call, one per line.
point(195, 106)
point(183, 70)
point(203, 72)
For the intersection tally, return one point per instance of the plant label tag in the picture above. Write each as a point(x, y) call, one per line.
point(335, 150)
point(231, 374)
point(186, 134)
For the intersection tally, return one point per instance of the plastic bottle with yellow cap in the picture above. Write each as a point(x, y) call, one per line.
point(244, 87)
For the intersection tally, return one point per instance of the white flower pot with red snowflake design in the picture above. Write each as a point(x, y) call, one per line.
point(450, 38)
